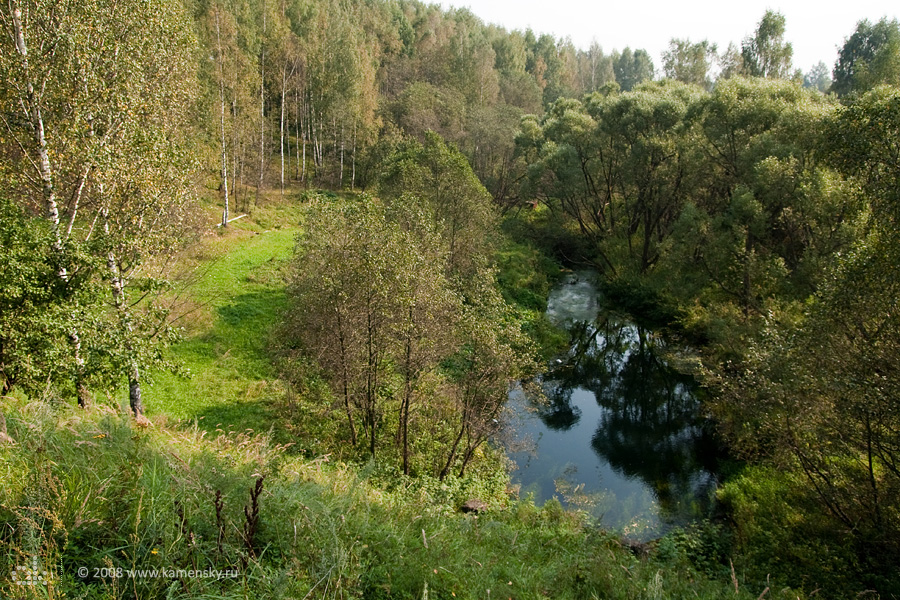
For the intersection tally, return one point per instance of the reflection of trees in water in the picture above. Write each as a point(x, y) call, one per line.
point(650, 429)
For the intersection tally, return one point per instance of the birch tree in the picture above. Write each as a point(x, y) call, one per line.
point(102, 95)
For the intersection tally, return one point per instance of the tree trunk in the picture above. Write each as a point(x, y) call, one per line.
point(470, 452)
point(262, 122)
point(222, 121)
point(353, 160)
point(281, 142)
point(243, 163)
point(306, 136)
point(288, 145)
point(234, 154)
point(345, 376)
point(303, 171)
point(341, 179)
point(81, 391)
point(32, 107)
point(299, 128)
point(372, 351)
point(134, 391)
point(407, 400)
point(746, 291)
point(117, 283)
point(449, 464)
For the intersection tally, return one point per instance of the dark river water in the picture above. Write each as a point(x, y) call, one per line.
point(615, 431)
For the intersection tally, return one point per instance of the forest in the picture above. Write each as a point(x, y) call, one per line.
point(269, 270)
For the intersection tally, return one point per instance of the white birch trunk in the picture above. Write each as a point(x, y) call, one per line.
point(281, 142)
point(299, 129)
point(222, 121)
point(36, 120)
point(117, 283)
point(353, 160)
point(262, 122)
point(33, 111)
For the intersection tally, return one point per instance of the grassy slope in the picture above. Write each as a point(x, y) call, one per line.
point(92, 490)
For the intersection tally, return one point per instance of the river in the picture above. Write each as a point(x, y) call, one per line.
point(615, 431)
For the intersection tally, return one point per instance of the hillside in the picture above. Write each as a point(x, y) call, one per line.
point(270, 270)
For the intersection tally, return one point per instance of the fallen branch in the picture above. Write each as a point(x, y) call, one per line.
point(234, 219)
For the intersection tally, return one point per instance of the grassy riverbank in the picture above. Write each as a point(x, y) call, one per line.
point(121, 497)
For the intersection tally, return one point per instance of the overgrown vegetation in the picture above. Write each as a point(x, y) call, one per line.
point(752, 218)
point(395, 303)
point(755, 221)
point(94, 490)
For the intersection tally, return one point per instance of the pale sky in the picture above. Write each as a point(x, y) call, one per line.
point(816, 29)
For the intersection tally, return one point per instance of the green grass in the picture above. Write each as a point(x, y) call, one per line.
point(93, 490)
point(236, 300)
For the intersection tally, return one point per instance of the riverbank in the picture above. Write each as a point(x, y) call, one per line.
point(95, 490)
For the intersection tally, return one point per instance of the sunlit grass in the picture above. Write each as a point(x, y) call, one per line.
point(234, 301)
point(141, 498)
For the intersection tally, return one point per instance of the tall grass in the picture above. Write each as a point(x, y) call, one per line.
point(93, 491)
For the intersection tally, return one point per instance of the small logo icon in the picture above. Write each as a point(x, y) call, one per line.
point(30, 575)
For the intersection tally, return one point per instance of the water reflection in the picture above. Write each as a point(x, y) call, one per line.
point(618, 429)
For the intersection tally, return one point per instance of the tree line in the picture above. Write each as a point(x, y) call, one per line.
point(757, 222)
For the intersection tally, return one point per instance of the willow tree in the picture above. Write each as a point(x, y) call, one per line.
point(621, 166)
point(371, 305)
point(817, 395)
point(868, 58)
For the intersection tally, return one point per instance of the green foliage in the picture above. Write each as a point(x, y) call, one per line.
point(454, 201)
point(816, 396)
point(766, 54)
point(616, 166)
point(689, 62)
point(649, 306)
point(780, 534)
point(704, 546)
point(632, 68)
point(759, 220)
point(818, 78)
point(37, 309)
point(868, 58)
point(393, 304)
point(862, 144)
point(99, 144)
